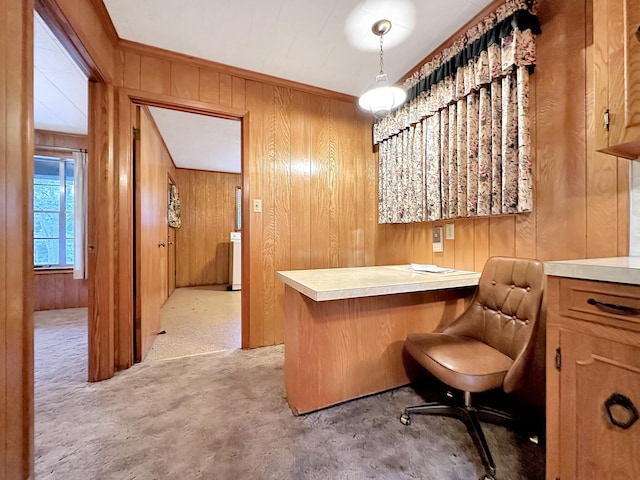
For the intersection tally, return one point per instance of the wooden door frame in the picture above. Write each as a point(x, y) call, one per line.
point(126, 98)
point(101, 260)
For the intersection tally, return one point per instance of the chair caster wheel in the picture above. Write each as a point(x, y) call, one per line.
point(405, 419)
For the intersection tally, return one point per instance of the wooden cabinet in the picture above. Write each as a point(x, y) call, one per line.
point(593, 380)
point(616, 42)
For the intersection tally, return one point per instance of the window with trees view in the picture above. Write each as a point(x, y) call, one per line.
point(53, 212)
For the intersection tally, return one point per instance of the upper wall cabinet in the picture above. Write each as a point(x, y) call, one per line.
point(616, 41)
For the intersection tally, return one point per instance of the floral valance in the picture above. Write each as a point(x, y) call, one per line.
point(502, 41)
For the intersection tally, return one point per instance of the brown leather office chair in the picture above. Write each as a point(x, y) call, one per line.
point(487, 347)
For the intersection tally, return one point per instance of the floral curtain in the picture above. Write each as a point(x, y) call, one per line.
point(80, 214)
point(174, 207)
point(460, 146)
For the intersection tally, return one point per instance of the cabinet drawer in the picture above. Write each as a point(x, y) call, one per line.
point(601, 302)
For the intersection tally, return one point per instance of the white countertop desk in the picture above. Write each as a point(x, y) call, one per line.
point(612, 269)
point(345, 327)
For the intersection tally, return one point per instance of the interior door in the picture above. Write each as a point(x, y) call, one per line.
point(150, 242)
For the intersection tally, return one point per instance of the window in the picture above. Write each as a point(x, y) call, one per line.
point(238, 209)
point(53, 212)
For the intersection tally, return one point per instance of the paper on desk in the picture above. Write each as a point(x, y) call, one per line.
point(421, 267)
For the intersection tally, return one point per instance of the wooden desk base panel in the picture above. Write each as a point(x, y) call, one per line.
point(344, 349)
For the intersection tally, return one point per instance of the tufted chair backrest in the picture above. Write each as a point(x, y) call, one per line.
point(504, 311)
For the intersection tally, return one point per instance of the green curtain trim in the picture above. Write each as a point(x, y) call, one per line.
point(521, 20)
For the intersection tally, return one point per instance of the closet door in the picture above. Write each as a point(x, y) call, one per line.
point(151, 240)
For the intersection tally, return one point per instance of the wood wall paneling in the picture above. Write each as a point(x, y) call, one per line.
point(207, 205)
point(337, 162)
point(209, 85)
point(58, 139)
point(185, 82)
point(155, 75)
point(252, 170)
point(282, 187)
point(561, 122)
point(549, 233)
point(58, 289)
point(301, 182)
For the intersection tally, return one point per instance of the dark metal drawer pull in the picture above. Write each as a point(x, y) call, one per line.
point(612, 306)
point(626, 403)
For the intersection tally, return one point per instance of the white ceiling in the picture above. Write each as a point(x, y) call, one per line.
point(198, 141)
point(59, 86)
point(323, 43)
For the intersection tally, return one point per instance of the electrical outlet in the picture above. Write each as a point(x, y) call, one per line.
point(437, 239)
point(257, 205)
point(449, 231)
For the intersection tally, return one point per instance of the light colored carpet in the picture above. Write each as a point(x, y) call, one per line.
point(224, 416)
point(198, 320)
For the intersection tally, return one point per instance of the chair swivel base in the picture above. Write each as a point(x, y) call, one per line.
point(467, 413)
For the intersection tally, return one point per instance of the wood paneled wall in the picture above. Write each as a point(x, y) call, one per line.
point(16, 241)
point(309, 160)
point(208, 210)
point(312, 164)
point(58, 289)
point(581, 207)
point(43, 138)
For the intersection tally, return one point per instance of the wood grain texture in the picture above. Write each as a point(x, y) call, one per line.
point(207, 206)
point(185, 82)
point(334, 237)
point(345, 349)
point(100, 233)
point(622, 19)
point(124, 275)
point(153, 166)
point(231, 71)
point(16, 250)
point(44, 138)
point(58, 289)
point(155, 75)
point(600, 352)
point(79, 26)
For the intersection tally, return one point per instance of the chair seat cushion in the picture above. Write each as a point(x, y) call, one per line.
point(461, 362)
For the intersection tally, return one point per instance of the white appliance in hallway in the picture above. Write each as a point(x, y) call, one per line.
point(235, 261)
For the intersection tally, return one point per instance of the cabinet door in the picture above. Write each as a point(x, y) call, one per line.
point(591, 447)
point(617, 75)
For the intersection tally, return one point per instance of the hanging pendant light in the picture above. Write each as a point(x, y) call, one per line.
point(382, 97)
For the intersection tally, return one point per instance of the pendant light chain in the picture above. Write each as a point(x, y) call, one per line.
point(382, 97)
point(381, 61)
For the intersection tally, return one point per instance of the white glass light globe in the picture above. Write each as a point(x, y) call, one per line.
point(382, 97)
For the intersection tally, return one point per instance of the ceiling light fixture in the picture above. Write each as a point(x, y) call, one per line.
point(382, 97)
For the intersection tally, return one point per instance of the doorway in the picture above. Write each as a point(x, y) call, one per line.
point(188, 170)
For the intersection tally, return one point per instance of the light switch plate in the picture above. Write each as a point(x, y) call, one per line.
point(449, 231)
point(257, 205)
point(437, 239)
